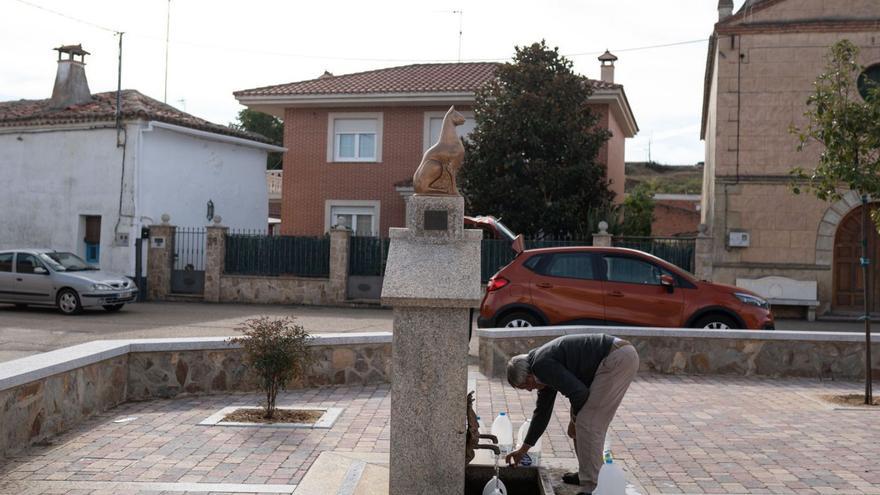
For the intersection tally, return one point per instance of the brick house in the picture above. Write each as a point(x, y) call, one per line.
point(355, 140)
point(676, 215)
point(760, 70)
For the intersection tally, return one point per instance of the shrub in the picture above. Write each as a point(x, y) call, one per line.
point(277, 350)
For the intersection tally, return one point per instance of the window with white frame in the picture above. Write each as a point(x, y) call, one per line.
point(355, 137)
point(361, 220)
point(434, 122)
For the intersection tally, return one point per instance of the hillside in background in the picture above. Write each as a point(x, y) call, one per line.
point(665, 179)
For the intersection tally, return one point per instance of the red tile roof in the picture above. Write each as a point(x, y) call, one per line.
point(102, 108)
point(418, 78)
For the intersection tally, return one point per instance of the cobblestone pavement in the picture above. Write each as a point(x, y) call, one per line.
point(674, 434)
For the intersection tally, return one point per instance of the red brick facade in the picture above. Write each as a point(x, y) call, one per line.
point(310, 180)
point(675, 217)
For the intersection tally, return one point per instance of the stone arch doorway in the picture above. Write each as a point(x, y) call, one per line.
point(848, 285)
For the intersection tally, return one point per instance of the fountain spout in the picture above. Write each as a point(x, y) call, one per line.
point(493, 448)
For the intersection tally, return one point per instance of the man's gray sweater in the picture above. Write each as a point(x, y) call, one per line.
point(567, 365)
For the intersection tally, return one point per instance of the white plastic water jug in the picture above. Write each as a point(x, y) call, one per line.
point(495, 487)
point(481, 426)
point(612, 480)
point(503, 429)
point(534, 453)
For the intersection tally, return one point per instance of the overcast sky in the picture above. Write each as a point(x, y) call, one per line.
point(217, 47)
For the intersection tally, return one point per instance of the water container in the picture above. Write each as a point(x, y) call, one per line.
point(495, 487)
point(481, 426)
point(534, 454)
point(503, 429)
point(612, 480)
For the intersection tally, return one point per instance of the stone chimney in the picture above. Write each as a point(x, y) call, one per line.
point(725, 9)
point(71, 86)
point(607, 60)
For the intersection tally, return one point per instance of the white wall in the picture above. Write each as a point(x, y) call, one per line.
point(49, 178)
point(179, 173)
point(52, 177)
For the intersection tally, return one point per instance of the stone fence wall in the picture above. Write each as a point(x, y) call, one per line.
point(222, 287)
point(47, 394)
point(822, 355)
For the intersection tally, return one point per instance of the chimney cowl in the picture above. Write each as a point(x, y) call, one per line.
point(607, 59)
point(71, 86)
point(725, 9)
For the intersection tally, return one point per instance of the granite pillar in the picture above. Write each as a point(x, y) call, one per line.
point(160, 256)
point(340, 241)
point(432, 278)
point(215, 260)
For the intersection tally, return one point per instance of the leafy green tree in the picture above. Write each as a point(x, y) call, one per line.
point(847, 126)
point(638, 211)
point(532, 157)
point(266, 125)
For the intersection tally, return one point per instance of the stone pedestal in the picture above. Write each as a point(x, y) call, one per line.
point(432, 278)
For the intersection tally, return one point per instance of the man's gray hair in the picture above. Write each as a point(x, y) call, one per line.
point(518, 369)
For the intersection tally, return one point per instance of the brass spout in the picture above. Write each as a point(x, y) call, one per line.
point(493, 448)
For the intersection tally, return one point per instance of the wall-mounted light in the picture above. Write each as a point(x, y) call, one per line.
point(210, 210)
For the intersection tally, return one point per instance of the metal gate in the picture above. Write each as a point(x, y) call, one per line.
point(188, 270)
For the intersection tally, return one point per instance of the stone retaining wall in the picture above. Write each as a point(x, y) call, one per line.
point(47, 394)
point(823, 355)
point(277, 290)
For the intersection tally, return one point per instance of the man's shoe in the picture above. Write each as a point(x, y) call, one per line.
point(571, 479)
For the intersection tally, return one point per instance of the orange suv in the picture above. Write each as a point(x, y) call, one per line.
point(613, 286)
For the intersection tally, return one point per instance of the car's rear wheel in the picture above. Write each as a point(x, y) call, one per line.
point(518, 319)
point(716, 321)
point(68, 302)
point(112, 308)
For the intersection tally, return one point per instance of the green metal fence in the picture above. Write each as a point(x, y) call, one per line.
point(260, 254)
point(367, 256)
point(680, 251)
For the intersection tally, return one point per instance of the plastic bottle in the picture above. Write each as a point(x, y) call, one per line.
point(481, 426)
point(503, 429)
point(495, 487)
point(612, 480)
point(534, 453)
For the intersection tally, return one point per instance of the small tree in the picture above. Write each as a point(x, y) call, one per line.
point(266, 125)
point(277, 350)
point(847, 125)
point(532, 158)
point(638, 211)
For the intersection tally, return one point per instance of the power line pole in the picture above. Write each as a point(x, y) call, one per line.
point(167, 31)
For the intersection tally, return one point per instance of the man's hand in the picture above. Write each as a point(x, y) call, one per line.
point(514, 458)
point(572, 430)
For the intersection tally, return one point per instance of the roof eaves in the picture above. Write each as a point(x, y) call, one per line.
point(358, 98)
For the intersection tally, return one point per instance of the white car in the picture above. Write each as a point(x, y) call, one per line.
point(43, 277)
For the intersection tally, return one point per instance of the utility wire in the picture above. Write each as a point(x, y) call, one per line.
point(349, 59)
point(61, 14)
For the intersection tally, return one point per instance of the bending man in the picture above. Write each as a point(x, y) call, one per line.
point(593, 371)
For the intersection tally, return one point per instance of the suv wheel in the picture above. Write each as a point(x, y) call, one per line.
point(716, 322)
point(68, 302)
point(518, 319)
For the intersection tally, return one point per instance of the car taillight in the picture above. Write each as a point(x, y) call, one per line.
point(496, 283)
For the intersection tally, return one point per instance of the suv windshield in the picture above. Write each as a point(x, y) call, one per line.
point(65, 262)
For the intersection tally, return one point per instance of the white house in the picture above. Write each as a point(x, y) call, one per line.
point(79, 176)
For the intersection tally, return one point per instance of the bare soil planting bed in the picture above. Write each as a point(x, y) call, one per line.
point(280, 416)
point(851, 400)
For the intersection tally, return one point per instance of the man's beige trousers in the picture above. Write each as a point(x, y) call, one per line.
point(613, 377)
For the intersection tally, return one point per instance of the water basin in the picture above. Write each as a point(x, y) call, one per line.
point(519, 480)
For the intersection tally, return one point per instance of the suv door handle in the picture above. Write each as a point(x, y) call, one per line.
point(544, 285)
point(19, 279)
point(615, 293)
